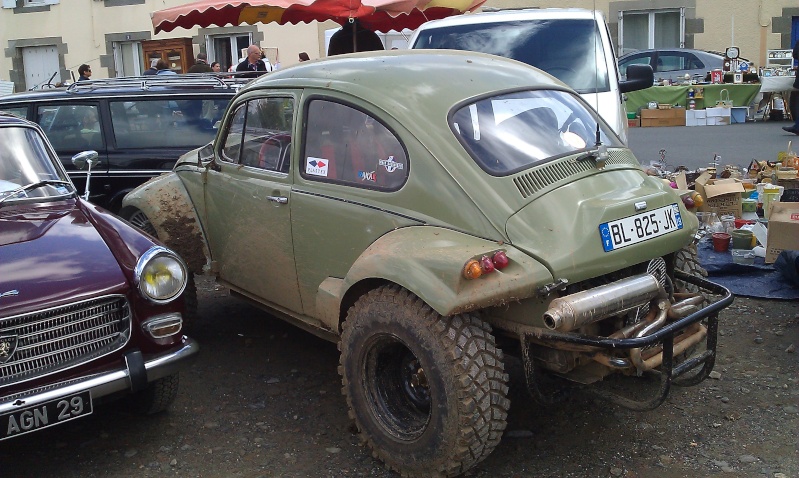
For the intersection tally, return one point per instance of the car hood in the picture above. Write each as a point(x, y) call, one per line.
point(52, 256)
point(561, 228)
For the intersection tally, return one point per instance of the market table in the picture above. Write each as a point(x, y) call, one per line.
point(741, 95)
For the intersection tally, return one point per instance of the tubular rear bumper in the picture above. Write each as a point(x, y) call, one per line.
point(132, 375)
point(663, 338)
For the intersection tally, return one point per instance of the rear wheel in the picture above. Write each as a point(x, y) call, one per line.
point(427, 393)
point(687, 260)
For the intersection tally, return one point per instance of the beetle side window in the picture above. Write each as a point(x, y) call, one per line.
point(232, 145)
point(346, 145)
point(259, 135)
point(21, 111)
point(71, 128)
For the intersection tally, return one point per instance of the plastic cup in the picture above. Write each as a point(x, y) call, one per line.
point(721, 241)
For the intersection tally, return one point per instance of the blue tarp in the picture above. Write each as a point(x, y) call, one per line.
point(758, 280)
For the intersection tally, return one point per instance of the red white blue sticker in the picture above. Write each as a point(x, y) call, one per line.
point(316, 166)
point(367, 176)
point(390, 164)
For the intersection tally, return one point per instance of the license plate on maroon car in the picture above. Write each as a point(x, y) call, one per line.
point(640, 227)
point(45, 415)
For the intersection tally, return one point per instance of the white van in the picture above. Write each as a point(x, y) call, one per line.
point(572, 45)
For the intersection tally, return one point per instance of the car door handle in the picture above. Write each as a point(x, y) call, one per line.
point(278, 199)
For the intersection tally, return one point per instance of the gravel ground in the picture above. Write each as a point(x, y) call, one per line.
point(263, 400)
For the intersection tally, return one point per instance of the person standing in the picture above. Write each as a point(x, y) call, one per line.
point(793, 102)
point(153, 67)
point(201, 64)
point(304, 56)
point(253, 62)
point(85, 72)
point(216, 67)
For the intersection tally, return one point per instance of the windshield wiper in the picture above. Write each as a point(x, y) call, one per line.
point(32, 186)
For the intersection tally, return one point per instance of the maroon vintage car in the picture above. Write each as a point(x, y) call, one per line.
point(90, 308)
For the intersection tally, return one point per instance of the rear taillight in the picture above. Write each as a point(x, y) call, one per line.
point(487, 264)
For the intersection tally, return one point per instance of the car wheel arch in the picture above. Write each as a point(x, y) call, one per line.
point(168, 206)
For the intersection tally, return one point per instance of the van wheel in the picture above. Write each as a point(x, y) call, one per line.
point(428, 393)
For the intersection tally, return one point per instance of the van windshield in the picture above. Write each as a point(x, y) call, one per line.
point(511, 132)
point(568, 49)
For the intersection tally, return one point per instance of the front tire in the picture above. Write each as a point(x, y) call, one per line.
point(427, 393)
point(157, 397)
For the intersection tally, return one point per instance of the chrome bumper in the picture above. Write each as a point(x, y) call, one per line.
point(133, 375)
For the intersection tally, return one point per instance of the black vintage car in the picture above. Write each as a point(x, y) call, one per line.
point(90, 308)
point(138, 125)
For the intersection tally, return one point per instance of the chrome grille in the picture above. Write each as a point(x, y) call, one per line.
point(530, 182)
point(60, 338)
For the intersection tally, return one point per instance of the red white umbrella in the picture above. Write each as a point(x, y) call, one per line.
point(376, 15)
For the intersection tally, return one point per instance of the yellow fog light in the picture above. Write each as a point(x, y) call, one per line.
point(160, 275)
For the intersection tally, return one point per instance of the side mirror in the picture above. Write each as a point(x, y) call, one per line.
point(86, 159)
point(638, 78)
point(204, 154)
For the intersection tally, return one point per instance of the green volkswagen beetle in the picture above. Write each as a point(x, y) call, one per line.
point(428, 211)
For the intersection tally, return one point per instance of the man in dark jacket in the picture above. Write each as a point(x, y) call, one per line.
point(153, 70)
point(253, 62)
point(201, 65)
point(793, 102)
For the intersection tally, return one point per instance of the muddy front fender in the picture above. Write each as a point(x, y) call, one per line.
point(168, 206)
point(429, 262)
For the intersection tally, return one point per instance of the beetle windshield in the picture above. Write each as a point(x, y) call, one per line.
point(25, 160)
point(515, 131)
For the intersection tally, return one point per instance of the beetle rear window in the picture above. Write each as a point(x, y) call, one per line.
point(511, 132)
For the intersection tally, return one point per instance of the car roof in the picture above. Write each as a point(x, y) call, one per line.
point(418, 88)
point(134, 85)
point(665, 50)
point(391, 77)
point(511, 15)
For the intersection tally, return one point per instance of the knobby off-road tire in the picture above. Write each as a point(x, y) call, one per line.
point(687, 260)
point(428, 393)
point(156, 397)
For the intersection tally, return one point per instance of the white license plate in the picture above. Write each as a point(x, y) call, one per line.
point(639, 228)
point(45, 415)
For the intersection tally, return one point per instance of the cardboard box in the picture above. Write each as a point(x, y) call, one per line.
point(783, 230)
point(721, 194)
point(695, 118)
point(667, 117)
point(633, 123)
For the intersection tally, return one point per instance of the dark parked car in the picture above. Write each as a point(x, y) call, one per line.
point(90, 308)
point(674, 64)
point(139, 126)
point(482, 207)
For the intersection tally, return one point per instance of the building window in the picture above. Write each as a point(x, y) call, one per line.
point(128, 58)
point(37, 3)
point(227, 49)
point(642, 29)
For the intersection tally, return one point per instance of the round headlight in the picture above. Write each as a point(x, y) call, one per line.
point(161, 276)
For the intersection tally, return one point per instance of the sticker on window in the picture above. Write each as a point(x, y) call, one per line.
point(366, 176)
point(316, 166)
point(390, 164)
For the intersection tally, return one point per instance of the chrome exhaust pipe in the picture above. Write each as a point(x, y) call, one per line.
point(576, 310)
